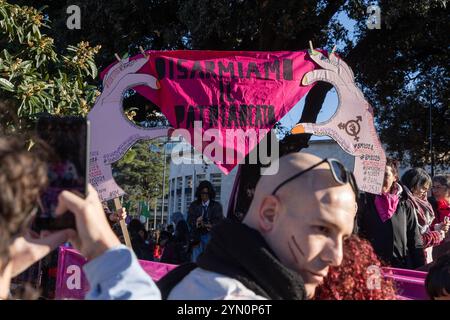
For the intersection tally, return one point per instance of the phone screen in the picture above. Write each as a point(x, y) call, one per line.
point(68, 141)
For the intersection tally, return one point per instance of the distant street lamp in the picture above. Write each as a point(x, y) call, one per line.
point(164, 183)
point(168, 141)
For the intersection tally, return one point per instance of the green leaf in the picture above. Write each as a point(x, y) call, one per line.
point(6, 85)
point(36, 31)
point(20, 34)
point(39, 60)
point(93, 69)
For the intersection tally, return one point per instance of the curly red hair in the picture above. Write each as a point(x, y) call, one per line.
point(350, 281)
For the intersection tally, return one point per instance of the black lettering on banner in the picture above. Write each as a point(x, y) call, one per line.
point(229, 69)
point(263, 114)
point(287, 69)
point(160, 66)
point(213, 116)
point(253, 68)
point(240, 70)
point(201, 110)
point(183, 70)
point(243, 115)
point(272, 67)
point(228, 88)
point(190, 117)
point(179, 115)
point(221, 99)
point(196, 67)
point(258, 120)
point(170, 68)
point(270, 118)
point(223, 110)
point(232, 121)
point(250, 115)
point(210, 69)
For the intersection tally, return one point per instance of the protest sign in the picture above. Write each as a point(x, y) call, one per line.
point(71, 283)
point(352, 126)
point(234, 93)
point(112, 134)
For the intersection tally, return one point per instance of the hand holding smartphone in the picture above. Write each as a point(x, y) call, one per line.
point(68, 141)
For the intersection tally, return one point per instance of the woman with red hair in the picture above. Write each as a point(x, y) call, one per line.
point(358, 277)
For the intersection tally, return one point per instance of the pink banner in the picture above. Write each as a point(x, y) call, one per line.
point(71, 283)
point(236, 93)
point(410, 284)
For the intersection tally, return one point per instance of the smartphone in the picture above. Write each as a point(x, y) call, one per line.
point(68, 141)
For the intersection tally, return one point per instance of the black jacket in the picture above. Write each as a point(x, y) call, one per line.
point(240, 252)
point(214, 214)
point(397, 241)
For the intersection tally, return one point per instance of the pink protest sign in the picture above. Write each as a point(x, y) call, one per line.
point(234, 93)
point(352, 126)
point(71, 283)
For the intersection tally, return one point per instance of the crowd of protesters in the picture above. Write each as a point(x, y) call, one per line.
point(182, 240)
point(291, 244)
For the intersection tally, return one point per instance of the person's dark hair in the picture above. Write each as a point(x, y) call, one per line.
point(442, 179)
point(170, 228)
point(415, 178)
point(23, 175)
point(165, 235)
point(438, 277)
point(182, 230)
point(205, 184)
point(394, 164)
point(135, 225)
point(145, 233)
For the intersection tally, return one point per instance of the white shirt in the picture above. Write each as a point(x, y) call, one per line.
point(201, 284)
point(205, 203)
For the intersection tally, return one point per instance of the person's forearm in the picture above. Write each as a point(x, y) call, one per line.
point(117, 275)
point(431, 239)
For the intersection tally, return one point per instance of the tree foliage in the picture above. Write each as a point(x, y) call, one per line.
point(140, 172)
point(34, 76)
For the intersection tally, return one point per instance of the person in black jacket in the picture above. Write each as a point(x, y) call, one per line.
point(138, 236)
point(389, 223)
point(204, 213)
point(175, 247)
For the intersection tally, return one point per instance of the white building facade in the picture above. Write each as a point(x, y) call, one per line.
point(184, 179)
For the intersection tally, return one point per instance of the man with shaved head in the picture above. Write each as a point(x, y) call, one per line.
point(293, 232)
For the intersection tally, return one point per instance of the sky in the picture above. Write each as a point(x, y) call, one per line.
point(331, 100)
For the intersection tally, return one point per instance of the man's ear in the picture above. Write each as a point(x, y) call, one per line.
point(268, 212)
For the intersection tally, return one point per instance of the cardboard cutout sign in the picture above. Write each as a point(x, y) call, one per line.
point(112, 134)
point(234, 93)
point(352, 125)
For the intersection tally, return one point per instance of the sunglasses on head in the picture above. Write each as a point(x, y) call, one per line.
point(340, 174)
